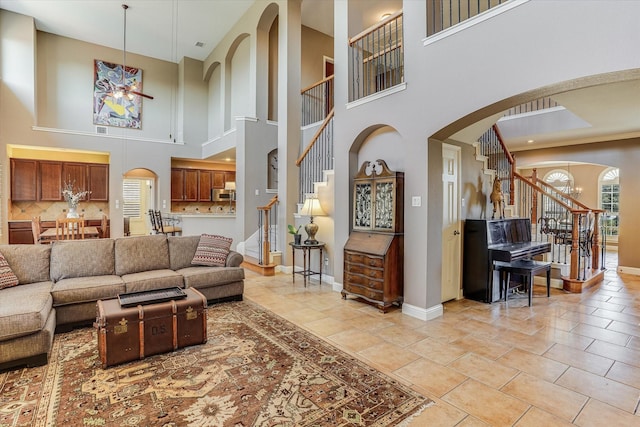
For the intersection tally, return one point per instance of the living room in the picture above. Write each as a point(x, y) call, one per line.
point(34, 116)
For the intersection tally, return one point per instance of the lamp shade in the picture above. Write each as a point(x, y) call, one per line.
point(312, 207)
point(231, 185)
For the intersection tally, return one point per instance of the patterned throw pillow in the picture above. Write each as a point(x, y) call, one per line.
point(7, 276)
point(212, 250)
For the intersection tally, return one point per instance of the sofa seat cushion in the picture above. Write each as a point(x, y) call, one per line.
point(24, 309)
point(204, 277)
point(149, 280)
point(30, 263)
point(144, 253)
point(82, 258)
point(86, 289)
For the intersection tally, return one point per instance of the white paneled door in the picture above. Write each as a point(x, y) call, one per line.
point(451, 226)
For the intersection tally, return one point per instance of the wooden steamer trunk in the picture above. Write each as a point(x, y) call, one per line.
point(130, 333)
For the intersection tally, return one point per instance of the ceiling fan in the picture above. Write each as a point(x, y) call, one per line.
point(123, 89)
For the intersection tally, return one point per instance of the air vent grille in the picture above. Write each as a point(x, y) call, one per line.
point(101, 130)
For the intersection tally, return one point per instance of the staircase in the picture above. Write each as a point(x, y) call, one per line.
point(572, 228)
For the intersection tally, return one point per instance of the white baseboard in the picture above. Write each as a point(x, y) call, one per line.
point(423, 313)
point(411, 310)
point(326, 279)
point(629, 270)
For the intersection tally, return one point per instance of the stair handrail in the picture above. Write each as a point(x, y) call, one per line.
point(265, 248)
point(316, 84)
point(543, 192)
point(317, 100)
point(575, 231)
point(269, 205)
point(552, 189)
point(512, 163)
point(374, 27)
point(324, 124)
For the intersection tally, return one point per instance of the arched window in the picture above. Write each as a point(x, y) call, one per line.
point(562, 181)
point(610, 200)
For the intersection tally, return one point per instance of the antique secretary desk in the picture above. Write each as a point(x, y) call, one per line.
point(374, 252)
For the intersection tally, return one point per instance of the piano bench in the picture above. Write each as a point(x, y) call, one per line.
point(525, 268)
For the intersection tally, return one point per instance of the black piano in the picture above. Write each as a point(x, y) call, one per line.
point(486, 241)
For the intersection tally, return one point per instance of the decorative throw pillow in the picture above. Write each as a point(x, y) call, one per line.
point(7, 276)
point(212, 250)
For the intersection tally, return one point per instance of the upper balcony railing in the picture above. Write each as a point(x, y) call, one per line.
point(317, 101)
point(442, 14)
point(376, 58)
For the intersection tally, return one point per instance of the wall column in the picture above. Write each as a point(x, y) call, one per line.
point(289, 116)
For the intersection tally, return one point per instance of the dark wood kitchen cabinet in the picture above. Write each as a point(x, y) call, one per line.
point(184, 185)
point(177, 184)
point(20, 233)
point(98, 175)
point(204, 189)
point(190, 185)
point(24, 178)
point(42, 180)
point(229, 177)
point(50, 181)
point(217, 180)
point(75, 174)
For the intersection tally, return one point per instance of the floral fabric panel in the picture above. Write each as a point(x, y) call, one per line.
point(362, 210)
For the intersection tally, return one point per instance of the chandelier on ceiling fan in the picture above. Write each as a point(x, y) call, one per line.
point(123, 89)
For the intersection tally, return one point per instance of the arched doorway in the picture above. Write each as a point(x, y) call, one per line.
point(138, 187)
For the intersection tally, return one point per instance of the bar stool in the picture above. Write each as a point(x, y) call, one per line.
point(526, 268)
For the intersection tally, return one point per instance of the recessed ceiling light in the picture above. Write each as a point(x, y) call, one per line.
point(530, 141)
point(199, 44)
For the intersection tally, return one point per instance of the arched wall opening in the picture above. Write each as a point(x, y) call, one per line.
point(267, 64)
point(139, 188)
point(236, 81)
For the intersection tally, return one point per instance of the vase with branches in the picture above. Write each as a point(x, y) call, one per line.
point(72, 197)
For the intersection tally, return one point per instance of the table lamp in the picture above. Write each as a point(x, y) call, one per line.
point(311, 208)
point(230, 186)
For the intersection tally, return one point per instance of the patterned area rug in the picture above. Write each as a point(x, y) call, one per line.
point(256, 369)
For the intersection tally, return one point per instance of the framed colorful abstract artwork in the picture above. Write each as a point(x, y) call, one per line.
point(114, 100)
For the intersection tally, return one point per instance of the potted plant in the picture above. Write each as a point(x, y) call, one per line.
point(296, 233)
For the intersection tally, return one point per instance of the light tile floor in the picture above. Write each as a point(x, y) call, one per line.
point(568, 359)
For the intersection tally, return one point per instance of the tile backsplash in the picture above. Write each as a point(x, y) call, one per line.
point(51, 210)
point(202, 207)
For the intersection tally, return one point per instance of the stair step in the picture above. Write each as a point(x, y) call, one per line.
point(251, 263)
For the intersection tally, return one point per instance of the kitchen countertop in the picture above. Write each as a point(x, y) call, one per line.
point(200, 215)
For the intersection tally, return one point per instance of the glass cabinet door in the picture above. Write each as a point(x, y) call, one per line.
point(384, 212)
point(362, 205)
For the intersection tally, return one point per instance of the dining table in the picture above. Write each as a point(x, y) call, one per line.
point(50, 234)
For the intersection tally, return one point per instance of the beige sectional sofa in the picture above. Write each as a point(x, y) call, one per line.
point(60, 283)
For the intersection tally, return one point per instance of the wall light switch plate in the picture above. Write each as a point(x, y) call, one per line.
point(117, 204)
point(416, 201)
point(257, 192)
point(164, 204)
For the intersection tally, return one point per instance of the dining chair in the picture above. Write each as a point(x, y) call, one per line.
point(36, 229)
point(154, 225)
point(70, 228)
point(103, 232)
point(164, 227)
